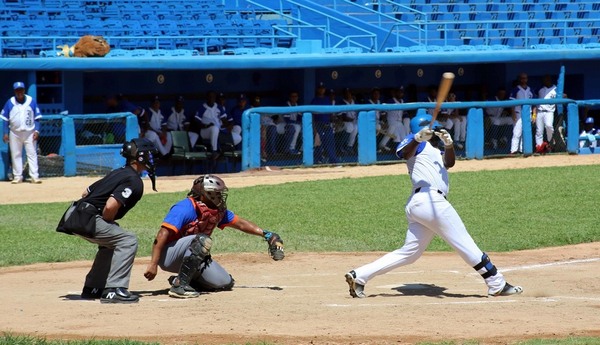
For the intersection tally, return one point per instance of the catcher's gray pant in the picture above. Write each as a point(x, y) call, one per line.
point(210, 276)
point(114, 259)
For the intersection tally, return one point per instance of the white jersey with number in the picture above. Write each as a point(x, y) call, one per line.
point(547, 93)
point(21, 117)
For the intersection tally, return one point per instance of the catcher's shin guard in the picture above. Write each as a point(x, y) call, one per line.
point(200, 251)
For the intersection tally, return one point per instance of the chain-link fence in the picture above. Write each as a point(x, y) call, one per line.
point(83, 144)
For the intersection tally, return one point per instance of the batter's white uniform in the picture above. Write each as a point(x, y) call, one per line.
point(545, 115)
point(21, 120)
point(429, 214)
point(518, 93)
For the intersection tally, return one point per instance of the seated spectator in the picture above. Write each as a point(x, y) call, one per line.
point(395, 127)
point(294, 120)
point(156, 130)
point(459, 123)
point(587, 138)
point(349, 119)
point(230, 132)
point(178, 120)
point(208, 118)
point(499, 117)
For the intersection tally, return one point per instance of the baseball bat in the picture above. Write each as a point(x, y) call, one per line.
point(443, 90)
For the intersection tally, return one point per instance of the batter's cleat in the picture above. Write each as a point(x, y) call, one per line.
point(36, 180)
point(507, 290)
point(91, 292)
point(17, 180)
point(118, 295)
point(178, 290)
point(356, 290)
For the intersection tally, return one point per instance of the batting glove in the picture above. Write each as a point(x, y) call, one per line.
point(445, 137)
point(424, 135)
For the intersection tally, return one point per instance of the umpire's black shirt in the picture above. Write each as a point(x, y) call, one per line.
point(123, 184)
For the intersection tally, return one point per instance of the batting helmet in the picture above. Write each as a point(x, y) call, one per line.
point(589, 120)
point(142, 151)
point(421, 121)
point(213, 189)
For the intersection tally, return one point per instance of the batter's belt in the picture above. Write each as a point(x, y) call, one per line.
point(426, 189)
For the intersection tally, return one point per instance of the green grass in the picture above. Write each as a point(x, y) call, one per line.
point(503, 210)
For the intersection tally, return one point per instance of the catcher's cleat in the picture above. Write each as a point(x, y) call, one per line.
point(356, 290)
point(91, 292)
point(507, 290)
point(182, 290)
point(118, 295)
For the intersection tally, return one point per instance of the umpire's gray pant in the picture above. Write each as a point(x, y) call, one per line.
point(211, 276)
point(114, 259)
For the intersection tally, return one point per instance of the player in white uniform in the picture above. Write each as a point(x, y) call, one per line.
point(209, 116)
point(350, 119)
point(157, 129)
point(395, 129)
point(21, 128)
point(545, 116)
point(429, 213)
point(522, 91)
point(498, 117)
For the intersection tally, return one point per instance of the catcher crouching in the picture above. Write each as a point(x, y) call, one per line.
point(183, 242)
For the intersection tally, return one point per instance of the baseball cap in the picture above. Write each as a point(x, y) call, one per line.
point(321, 85)
point(589, 120)
point(18, 85)
point(180, 99)
point(221, 95)
point(155, 99)
point(242, 97)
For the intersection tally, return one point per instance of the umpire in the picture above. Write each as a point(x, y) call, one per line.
point(93, 218)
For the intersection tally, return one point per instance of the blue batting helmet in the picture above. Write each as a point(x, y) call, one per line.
point(421, 121)
point(589, 120)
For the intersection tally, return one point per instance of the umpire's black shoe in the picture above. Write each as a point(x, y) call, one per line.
point(91, 292)
point(118, 295)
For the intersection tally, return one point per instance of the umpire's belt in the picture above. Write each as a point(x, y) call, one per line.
point(426, 189)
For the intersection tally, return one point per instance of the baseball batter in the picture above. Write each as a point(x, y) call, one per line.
point(183, 242)
point(429, 213)
point(21, 128)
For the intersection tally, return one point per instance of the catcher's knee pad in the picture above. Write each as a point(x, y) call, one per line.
point(200, 246)
point(486, 268)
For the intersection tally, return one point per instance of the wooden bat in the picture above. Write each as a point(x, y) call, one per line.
point(443, 90)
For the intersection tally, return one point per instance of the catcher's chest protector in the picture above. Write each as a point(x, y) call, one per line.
point(207, 221)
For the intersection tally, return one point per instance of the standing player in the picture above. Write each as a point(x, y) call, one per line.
point(94, 216)
point(395, 129)
point(545, 116)
point(429, 213)
point(522, 91)
point(21, 117)
point(183, 242)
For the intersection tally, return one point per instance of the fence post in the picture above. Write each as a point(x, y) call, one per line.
point(131, 127)
point(475, 135)
point(4, 162)
point(572, 128)
point(367, 146)
point(527, 137)
point(250, 140)
point(308, 138)
point(68, 146)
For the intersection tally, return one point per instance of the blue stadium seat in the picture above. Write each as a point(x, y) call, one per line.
point(332, 51)
point(592, 45)
point(118, 53)
point(417, 49)
point(398, 49)
point(352, 50)
point(261, 51)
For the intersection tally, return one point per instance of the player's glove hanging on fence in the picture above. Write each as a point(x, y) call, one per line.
point(424, 135)
point(275, 245)
point(445, 137)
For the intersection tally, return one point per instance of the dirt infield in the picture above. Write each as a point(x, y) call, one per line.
point(304, 299)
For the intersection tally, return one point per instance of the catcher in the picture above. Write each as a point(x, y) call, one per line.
point(183, 242)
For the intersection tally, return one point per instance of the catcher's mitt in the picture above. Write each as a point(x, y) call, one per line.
point(275, 245)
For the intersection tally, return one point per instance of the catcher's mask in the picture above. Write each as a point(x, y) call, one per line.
point(142, 151)
point(213, 189)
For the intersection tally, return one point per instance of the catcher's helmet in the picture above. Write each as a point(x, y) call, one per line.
point(421, 121)
point(213, 189)
point(142, 151)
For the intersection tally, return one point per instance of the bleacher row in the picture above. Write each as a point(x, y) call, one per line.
point(194, 25)
point(517, 23)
